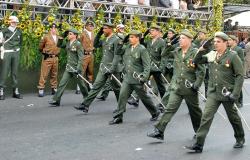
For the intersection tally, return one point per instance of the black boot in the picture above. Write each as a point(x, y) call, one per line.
point(16, 93)
point(197, 148)
point(54, 103)
point(40, 93)
point(156, 134)
point(133, 101)
point(53, 91)
point(2, 97)
point(155, 116)
point(82, 107)
point(239, 143)
point(101, 97)
point(160, 107)
point(115, 121)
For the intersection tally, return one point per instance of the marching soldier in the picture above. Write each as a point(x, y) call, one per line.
point(107, 87)
point(232, 43)
point(202, 38)
point(73, 67)
point(136, 60)
point(155, 47)
point(167, 59)
point(225, 72)
point(87, 40)
point(109, 65)
point(50, 51)
point(10, 55)
point(184, 70)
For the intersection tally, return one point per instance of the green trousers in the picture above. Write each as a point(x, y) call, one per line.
point(10, 64)
point(211, 108)
point(173, 105)
point(159, 82)
point(67, 76)
point(98, 85)
point(106, 89)
point(165, 98)
point(125, 93)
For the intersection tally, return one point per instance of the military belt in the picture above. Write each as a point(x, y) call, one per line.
point(11, 50)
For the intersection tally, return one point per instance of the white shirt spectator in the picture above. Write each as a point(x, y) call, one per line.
point(175, 4)
point(133, 2)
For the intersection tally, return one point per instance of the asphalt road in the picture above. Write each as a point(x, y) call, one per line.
point(31, 130)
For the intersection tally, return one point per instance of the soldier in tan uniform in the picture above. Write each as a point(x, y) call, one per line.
point(50, 51)
point(87, 41)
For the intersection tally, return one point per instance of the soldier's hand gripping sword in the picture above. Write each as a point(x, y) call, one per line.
point(165, 79)
point(225, 92)
point(137, 76)
point(70, 68)
point(113, 76)
point(188, 84)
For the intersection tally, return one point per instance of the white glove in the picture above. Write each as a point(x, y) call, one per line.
point(211, 56)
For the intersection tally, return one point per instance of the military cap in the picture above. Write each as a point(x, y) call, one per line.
point(108, 24)
point(120, 26)
point(203, 31)
point(73, 30)
point(155, 27)
point(135, 32)
point(187, 33)
point(221, 35)
point(90, 23)
point(233, 37)
point(172, 30)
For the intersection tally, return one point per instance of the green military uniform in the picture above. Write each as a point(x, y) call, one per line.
point(107, 87)
point(74, 59)
point(135, 60)
point(240, 53)
point(184, 70)
point(155, 49)
point(225, 71)
point(110, 48)
point(11, 57)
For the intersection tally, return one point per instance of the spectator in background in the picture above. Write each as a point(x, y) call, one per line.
point(243, 43)
point(164, 3)
point(175, 4)
point(228, 25)
point(247, 59)
point(236, 26)
point(183, 5)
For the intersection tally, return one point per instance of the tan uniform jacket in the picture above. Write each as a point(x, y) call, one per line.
point(48, 45)
point(87, 42)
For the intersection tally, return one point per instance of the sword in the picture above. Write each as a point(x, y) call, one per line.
point(113, 76)
point(137, 76)
point(188, 84)
point(165, 79)
point(226, 93)
point(69, 67)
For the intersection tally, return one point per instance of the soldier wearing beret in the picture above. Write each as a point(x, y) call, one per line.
point(233, 44)
point(109, 65)
point(184, 70)
point(136, 60)
point(87, 40)
point(50, 51)
point(225, 72)
point(73, 67)
point(10, 55)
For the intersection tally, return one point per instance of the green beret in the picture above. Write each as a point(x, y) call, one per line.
point(233, 37)
point(155, 27)
point(73, 30)
point(203, 31)
point(172, 30)
point(221, 35)
point(135, 32)
point(90, 23)
point(187, 33)
point(108, 24)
